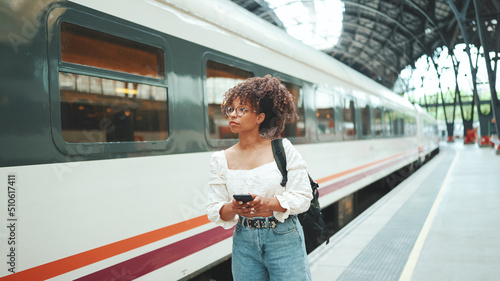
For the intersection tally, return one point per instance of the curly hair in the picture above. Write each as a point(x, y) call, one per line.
point(265, 95)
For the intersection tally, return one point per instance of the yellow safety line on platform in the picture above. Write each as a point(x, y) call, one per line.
point(419, 244)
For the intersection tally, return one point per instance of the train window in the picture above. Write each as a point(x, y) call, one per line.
point(387, 122)
point(220, 78)
point(296, 129)
point(399, 124)
point(377, 121)
point(95, 109)
point(402, 125)
point(410, 125)
point(414, 125)
point(348, 113)
point(365, 121)
point(395, 123)
point(84, 46)
point(325, 112)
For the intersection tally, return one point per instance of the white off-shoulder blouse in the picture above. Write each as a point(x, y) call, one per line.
point(264, 181)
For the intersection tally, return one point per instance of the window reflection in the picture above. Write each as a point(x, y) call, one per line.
point(377, 121)
point(95, 109)
point(348, 113)
point(365, 121)
point(325, 113)
point(388, 122)
point(296, 129)
point(84, 46)
point(220, 78)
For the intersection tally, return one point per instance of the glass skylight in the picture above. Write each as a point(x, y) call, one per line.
point(317, 23)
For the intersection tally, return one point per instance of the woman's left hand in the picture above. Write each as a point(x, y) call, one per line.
point(262, 207)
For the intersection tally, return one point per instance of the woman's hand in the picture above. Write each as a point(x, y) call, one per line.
point(229, 210)
point(244, 209)
point(259, 207)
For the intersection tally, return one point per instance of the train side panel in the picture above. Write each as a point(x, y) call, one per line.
point(86, 204)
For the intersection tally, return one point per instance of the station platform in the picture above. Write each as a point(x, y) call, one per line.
point(442, 223)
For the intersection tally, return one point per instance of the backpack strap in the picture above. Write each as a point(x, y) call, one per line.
point(280, 158)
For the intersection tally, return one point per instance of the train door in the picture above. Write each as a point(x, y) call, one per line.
point(366, 118)
point(349, 115)
point(378, 121)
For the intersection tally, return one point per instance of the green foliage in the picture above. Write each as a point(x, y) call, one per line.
point(485, 108)
point(448, 97)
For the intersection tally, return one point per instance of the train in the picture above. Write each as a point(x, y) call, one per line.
point(111, 110)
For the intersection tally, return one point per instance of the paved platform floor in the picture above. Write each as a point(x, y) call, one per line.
point(442, 223)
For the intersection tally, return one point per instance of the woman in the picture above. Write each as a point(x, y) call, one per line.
point(268, 241)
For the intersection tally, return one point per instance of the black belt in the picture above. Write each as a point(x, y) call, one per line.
point(270, 222)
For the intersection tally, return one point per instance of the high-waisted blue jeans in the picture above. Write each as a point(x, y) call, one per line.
point(270, 253)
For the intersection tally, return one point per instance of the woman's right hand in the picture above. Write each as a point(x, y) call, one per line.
point(230, 210)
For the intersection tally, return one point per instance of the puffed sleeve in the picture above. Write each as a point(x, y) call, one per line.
point(218, 194)
point(297, 196)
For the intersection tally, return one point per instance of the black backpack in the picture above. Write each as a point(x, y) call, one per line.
point(311, 220)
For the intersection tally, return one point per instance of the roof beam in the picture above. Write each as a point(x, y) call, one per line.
point(395, 48)
point(356, 57)
point(429, 19)
point(390, 19)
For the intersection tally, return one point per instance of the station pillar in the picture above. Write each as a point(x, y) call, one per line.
point(450, 128)
point(485, 142)
point(495, 138)
point(470, 136)
point(486, 138)
point(496, 145)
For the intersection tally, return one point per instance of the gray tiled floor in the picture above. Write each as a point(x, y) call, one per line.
point(462, 243)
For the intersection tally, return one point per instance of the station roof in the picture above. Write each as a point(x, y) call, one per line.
point(381, 37)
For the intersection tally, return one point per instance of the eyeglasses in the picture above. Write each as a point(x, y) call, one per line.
point(240, 110)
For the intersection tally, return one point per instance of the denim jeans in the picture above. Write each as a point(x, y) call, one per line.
point(270, 253)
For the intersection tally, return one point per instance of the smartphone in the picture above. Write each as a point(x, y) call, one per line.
point(243, 197)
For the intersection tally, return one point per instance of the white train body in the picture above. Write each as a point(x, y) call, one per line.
point(136, 210)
